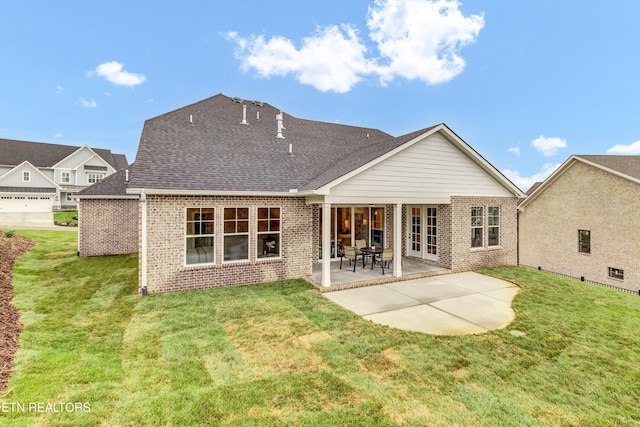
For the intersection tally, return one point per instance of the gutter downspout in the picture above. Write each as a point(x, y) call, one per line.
point(143, 243)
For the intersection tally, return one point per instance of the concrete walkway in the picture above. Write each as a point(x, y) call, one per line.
point(452, 304)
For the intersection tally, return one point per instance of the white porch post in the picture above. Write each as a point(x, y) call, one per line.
point(143, 244)
point(326, 244)
point(397, 240)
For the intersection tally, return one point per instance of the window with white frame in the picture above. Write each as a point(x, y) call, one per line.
point(268, 233)
point(65, 177)
point(26, 176)
point(477, 226)
point(493, 225)
point(92, 178)
point(200, 236)
point(236, 234)
point(69, 197)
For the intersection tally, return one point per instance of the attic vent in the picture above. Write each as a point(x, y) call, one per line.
point(238, 100)
point(280, 120)
point(258, 103)
point(244, 115)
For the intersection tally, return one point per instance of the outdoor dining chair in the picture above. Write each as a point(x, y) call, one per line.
point(386, 258)
point(350, 253)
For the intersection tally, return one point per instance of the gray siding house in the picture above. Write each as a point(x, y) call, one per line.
point(40, 177)
point(227, 191)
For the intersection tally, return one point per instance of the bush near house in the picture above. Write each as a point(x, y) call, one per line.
point(282, 354)
point(65, 218)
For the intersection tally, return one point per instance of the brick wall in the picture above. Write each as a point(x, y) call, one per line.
point(166, 270)
point(107, 227)
point(584, 198)
point(465, 258)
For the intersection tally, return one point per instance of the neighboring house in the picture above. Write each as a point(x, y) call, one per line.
point(230, 192)
point(582, 221)
point(39, 177)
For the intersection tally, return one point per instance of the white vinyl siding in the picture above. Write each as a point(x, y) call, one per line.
point(433, 168)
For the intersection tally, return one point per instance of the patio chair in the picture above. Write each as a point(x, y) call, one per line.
point(386, 258)
point(359, 244)
point(350, 253)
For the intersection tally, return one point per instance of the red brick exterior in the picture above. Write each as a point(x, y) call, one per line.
point(107, 227)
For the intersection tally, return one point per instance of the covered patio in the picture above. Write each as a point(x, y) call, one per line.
point(346, 278)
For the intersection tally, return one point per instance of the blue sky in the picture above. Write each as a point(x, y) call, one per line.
point(526, 83)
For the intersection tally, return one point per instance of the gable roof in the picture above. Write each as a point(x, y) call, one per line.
point(206, 147)
point(627, 167)
point(43, 155)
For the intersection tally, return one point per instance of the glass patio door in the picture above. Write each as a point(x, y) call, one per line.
point(414, 226)
point(431, 243)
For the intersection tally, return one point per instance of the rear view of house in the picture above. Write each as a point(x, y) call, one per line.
point(583, 221)
point(230, 191)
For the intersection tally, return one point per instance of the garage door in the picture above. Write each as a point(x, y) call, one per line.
point(25, 203)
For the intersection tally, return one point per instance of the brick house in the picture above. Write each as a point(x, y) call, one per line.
point(226, 191)
point(581, 221)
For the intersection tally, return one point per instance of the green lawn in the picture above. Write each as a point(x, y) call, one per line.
point(66, 216)
point(280, 353)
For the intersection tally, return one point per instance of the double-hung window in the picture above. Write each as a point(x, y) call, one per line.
point(200, 235)
point(493, 230)
point(584, 241)
point(66, 177)
point(477, 225)
point(26, 176)
point(268, 233)
point(236, 234)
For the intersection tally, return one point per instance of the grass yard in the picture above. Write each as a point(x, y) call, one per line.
point(280, 353)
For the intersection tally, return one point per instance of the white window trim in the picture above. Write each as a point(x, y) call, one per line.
point(62, 176)
point(481, 227)
point(98, 176)
point(259, 233)
point(27, 175)
point(247, 233)
point(489, 226)
point(187, 236)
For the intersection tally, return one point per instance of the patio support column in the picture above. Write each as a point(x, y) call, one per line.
point(397, 240)
point(326, 244)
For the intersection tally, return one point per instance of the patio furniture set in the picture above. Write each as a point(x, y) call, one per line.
point(378, 255)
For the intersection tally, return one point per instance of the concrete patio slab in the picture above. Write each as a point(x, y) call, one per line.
point(372, 299)
point(424, 318)
point(453, 304)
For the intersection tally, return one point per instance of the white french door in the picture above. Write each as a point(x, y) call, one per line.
point(422, 232)
point(414, 228)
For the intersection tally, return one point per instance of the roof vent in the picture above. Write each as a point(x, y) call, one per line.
point(238, 100)
point(280, 119)
point(244, 115)
point(191, 119)
point(258, 103)
point(126, 175)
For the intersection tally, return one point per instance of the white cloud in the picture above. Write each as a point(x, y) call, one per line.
point(514, 150)
point(59, 89)
point(415, 39)
point(88, 104)
point(549, 146)
point(631, 149)
point(114, 72)
point(58, 135)
point(525, 182)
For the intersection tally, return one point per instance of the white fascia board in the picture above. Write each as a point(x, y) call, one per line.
point(173, 192)
point(88, 197)
point(109, 167)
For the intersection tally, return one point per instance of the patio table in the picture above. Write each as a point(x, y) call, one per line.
point(372, 252)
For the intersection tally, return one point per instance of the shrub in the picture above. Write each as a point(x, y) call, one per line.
point(9, 233)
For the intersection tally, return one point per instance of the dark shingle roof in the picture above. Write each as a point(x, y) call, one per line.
point(217, 152)
point(43, 155)
point(628, 165)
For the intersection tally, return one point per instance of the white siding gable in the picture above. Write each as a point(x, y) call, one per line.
point(429, 171)
point(76, 158)
point(14, 178)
